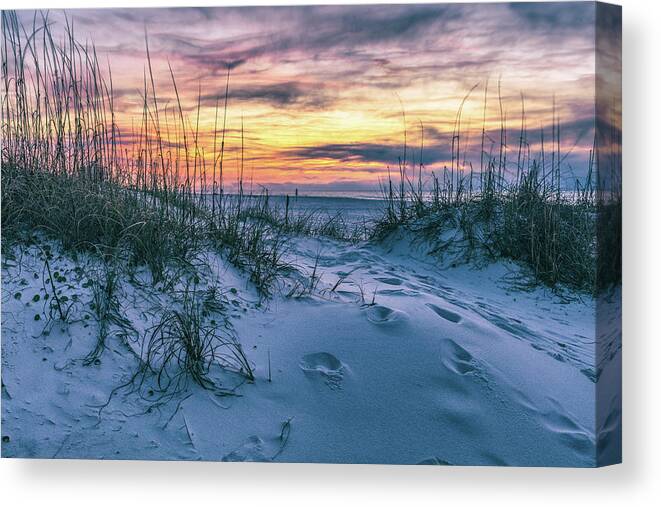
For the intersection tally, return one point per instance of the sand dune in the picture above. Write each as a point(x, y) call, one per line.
point(399, 362)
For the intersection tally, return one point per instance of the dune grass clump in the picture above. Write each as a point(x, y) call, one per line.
point(554, 238)
point(569, 237)
point(183, 346)
point(253, 242)
point(90, 216)
point(609, 242)
point(552, 235)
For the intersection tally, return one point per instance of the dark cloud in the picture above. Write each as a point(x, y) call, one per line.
point(386, 154)
point(335, 30)
point(577, 130)
point(363, 152)
point(375, 24)
point(279, 95)
point(555, 15)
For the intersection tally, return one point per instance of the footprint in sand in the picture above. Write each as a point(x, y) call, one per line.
point(457, 358)
point(390, 281)
point(325, 366)
point(568, 431)
point(382, 315)
point(253, 449)
point(445, 314)
point(396, 292)
point(348, 257)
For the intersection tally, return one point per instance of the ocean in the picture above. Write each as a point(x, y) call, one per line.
point(353, 208)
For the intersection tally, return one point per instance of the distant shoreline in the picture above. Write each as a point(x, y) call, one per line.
point(358, 196)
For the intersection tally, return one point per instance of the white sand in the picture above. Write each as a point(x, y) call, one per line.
point(452, 366)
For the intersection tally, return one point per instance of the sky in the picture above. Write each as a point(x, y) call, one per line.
point(328, 95)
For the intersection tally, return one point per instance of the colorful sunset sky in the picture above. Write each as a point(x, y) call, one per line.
point(321, 91)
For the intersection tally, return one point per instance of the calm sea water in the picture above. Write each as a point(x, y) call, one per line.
point(353, 208)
